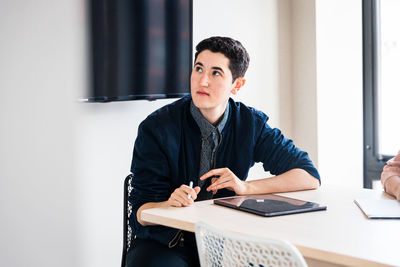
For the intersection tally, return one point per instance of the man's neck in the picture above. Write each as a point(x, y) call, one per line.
point(214, 115)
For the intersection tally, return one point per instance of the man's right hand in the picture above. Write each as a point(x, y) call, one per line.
point(390, 176)
point(179, 198)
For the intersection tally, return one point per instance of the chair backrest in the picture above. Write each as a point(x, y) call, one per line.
point(127, 231)
point(217, 247)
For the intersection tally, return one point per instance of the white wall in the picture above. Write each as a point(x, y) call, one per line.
point(304, 76)
point(62, 163)
point(339, 82)
point(39, 51)
point(240, 22)
point(326, 86)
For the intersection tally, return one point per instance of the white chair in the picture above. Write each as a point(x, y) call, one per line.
point(221, 248)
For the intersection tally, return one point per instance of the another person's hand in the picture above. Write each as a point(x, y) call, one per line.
point(179, 198)
point(392, 186)
point(390, 176)
point(395, 162)
point(227, 179)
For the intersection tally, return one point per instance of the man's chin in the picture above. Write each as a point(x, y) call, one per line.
point(200, 104)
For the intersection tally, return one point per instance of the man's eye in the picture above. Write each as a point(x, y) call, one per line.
point(198, 69)
point(216, 73)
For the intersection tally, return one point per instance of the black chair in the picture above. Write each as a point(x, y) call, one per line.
point(127, 234)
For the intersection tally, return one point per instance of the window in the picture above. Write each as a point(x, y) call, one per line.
point(381, 68)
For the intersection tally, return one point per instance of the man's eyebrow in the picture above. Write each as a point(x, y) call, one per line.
point(218, 68)
point(214, 68)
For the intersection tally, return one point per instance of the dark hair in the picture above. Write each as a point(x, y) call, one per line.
point(238, 57)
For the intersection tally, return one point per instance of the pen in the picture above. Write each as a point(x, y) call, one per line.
point(191, 186)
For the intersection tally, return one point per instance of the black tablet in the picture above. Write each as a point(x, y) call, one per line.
point(269, 205)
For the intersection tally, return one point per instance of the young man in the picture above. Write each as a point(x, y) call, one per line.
point(390, 177)
point(212, 141)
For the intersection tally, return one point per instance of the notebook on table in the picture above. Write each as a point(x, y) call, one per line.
point(375, 208)
point(269, 205)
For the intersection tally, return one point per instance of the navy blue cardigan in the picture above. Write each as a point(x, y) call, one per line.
point(167, 154)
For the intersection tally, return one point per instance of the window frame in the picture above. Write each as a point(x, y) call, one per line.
point(373, 161)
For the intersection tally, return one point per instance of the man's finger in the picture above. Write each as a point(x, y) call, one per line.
point(219, 185)
point(207, 175)
point(181, 198)
point(197, 189)
point(186, 188)
point(193, 193)
point(181, 195)
point(212, 173)
point(392, 168)
point(227, 185)
point(215, 181)
point(393, 163)
point(175, 203)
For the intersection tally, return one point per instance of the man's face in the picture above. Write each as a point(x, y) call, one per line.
point(211, 81)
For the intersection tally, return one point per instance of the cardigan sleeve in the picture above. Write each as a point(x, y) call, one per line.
point(279, 154)
point(150, 170)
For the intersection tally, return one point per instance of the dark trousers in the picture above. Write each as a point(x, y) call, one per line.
point(147, 252)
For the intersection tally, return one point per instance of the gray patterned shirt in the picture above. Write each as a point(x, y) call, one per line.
point(210, 139)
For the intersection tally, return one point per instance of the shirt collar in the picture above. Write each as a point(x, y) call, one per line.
point(205, 126)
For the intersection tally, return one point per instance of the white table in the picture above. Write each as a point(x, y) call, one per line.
point(341, 235)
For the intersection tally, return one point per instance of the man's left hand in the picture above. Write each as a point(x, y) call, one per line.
point(227, 179)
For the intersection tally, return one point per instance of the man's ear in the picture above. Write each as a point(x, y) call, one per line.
point(238, 83)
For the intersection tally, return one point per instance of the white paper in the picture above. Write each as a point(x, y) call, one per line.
point(375, 208)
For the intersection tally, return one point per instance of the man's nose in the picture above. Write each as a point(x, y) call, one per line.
point(204, 80)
